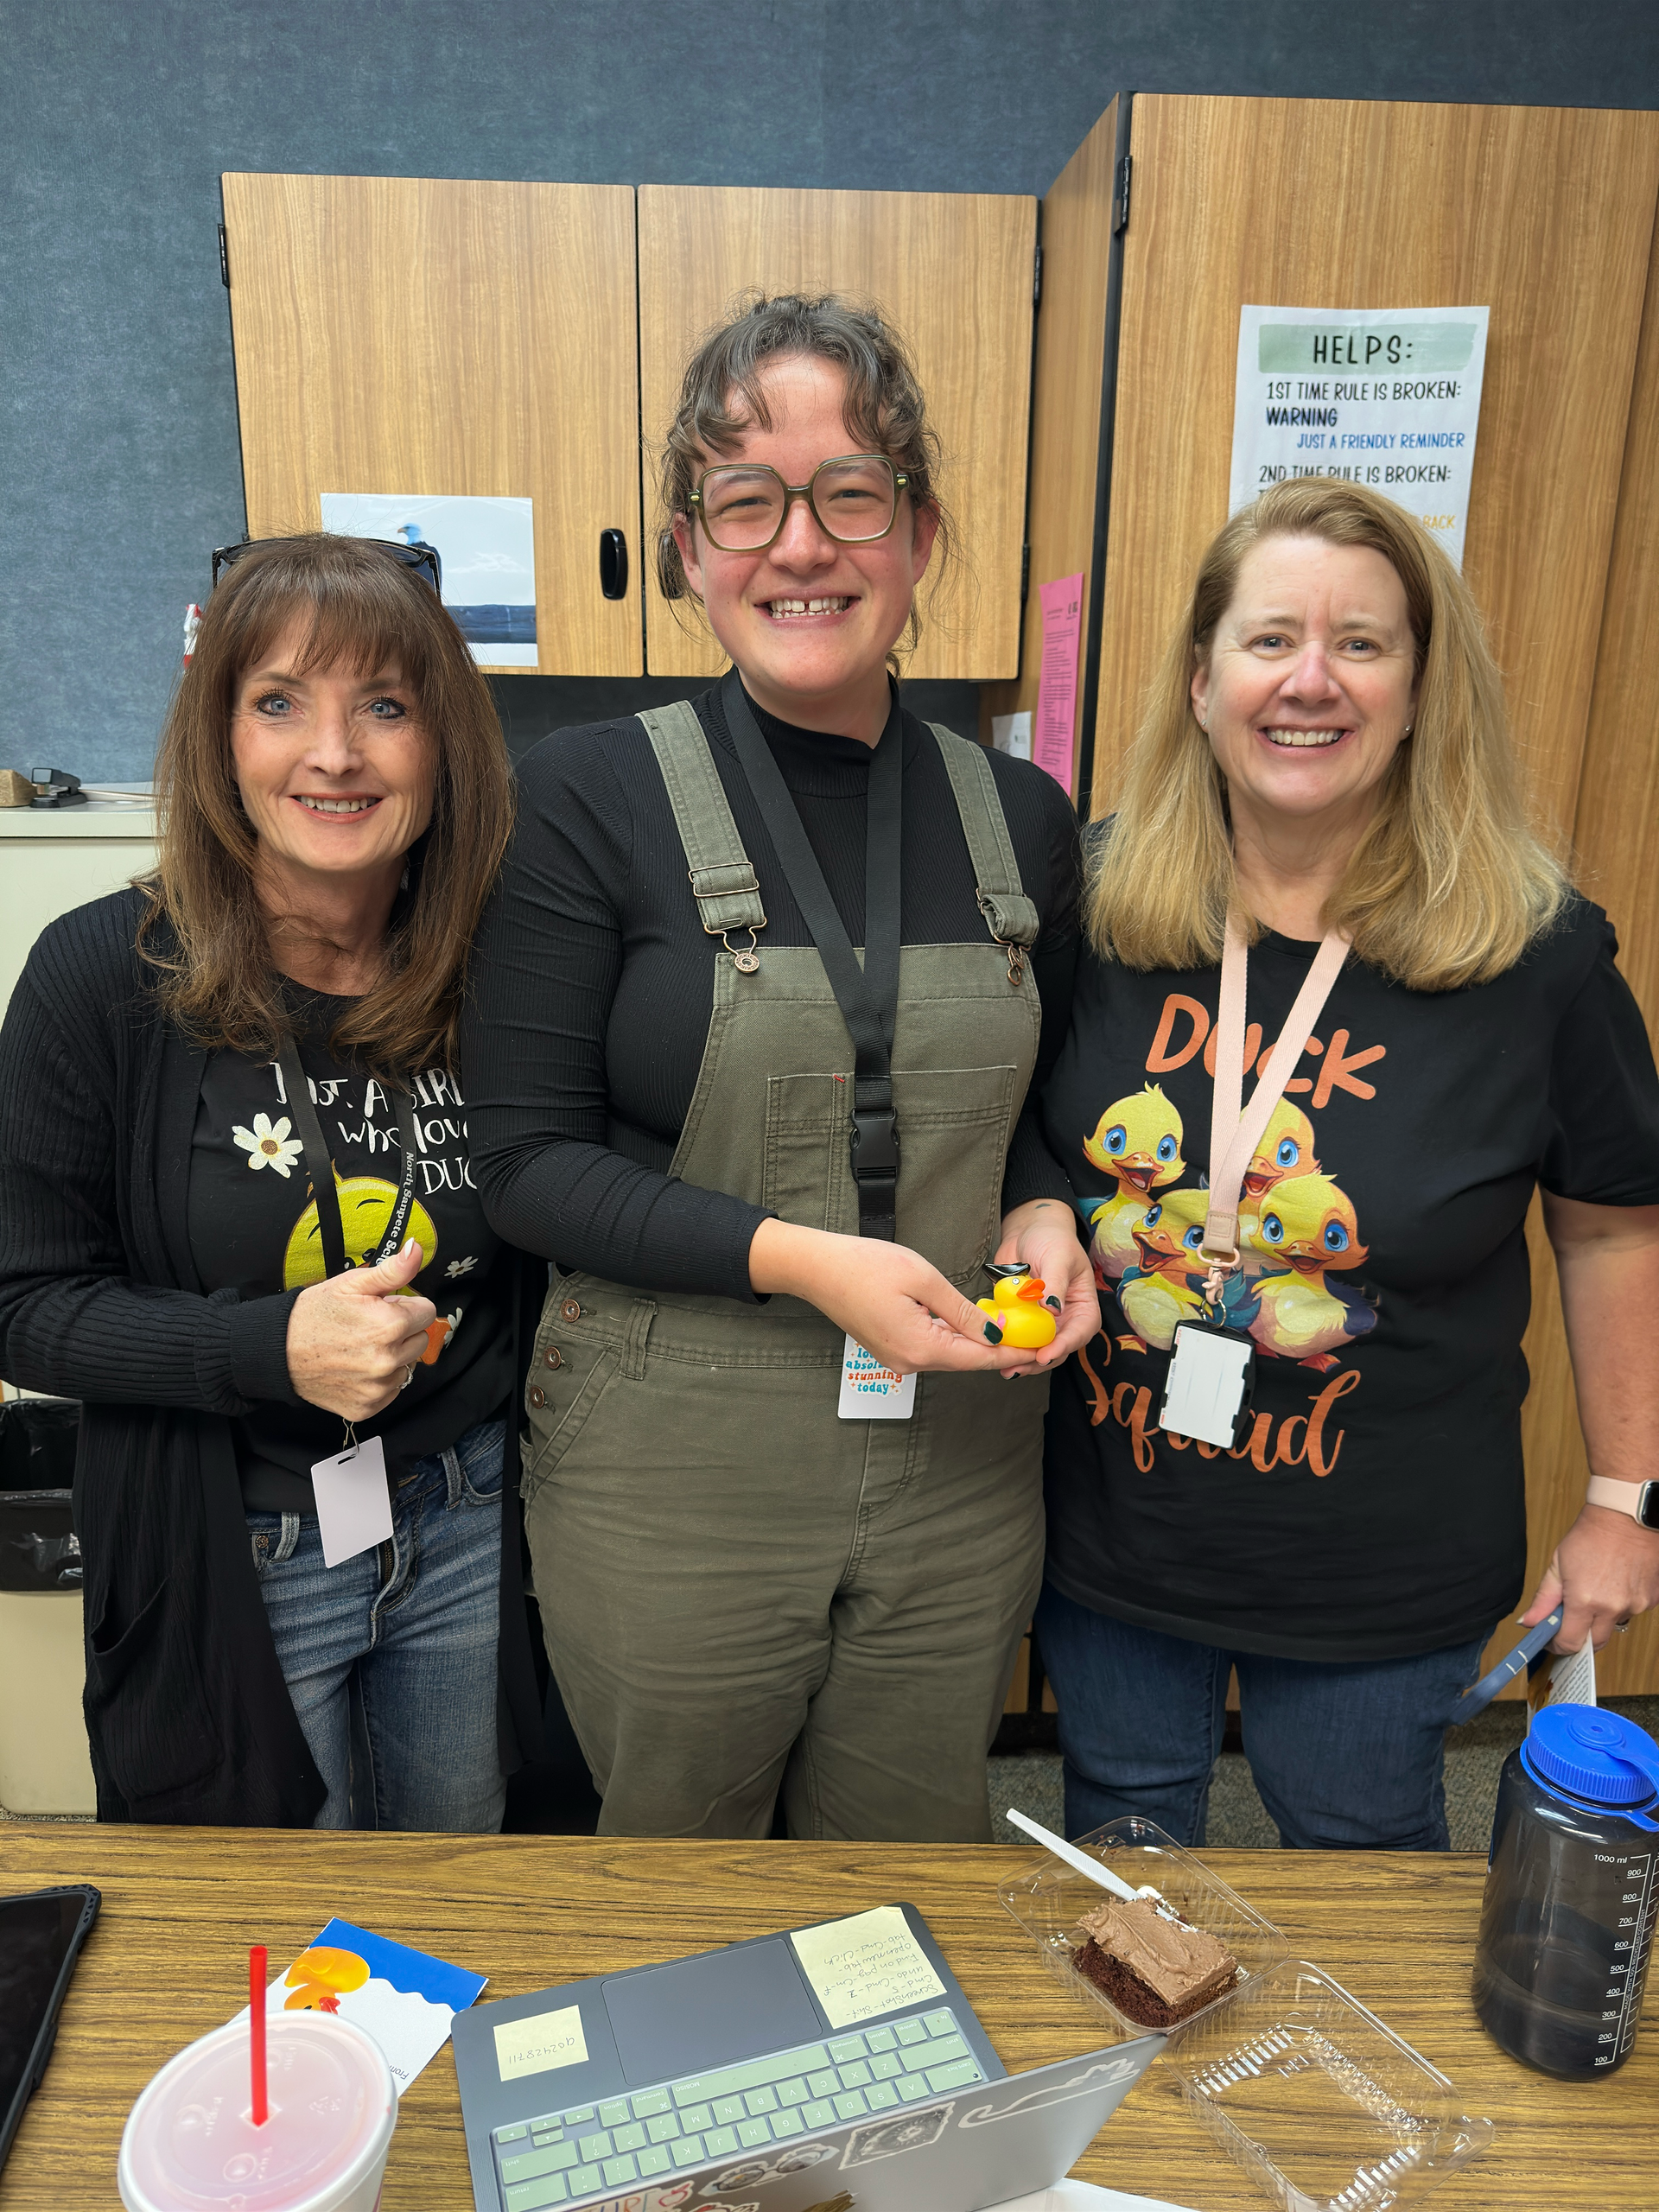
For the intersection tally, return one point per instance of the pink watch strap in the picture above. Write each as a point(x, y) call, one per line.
point(1622, 1497)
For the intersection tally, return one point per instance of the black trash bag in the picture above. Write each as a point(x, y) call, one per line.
point(39, 1549)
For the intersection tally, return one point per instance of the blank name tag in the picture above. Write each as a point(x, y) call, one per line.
point(1208, 1385)
point(353, 1506)
point(870, 1391)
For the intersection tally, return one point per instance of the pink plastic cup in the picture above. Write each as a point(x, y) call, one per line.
point(190, 2143)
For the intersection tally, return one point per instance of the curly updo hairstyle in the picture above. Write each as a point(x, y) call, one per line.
point(722, 395)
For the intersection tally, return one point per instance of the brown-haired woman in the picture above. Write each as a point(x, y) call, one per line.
point(1323, 797)
point(743, 1590)
point(237, 1221)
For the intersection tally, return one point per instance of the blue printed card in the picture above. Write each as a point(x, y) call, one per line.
point(405, 2000)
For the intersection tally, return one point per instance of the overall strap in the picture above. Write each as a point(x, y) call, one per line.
point(1010, 916)
point(723, 880)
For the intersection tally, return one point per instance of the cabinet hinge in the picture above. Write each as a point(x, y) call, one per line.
point(1121, 196)
point(1025, 574)
point(1037, 278)
point(223, 260)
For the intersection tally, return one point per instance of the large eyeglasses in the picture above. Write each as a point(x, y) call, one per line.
point(854, 498)
point(418, 556)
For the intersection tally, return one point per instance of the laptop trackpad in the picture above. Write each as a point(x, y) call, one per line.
point(707, 2012)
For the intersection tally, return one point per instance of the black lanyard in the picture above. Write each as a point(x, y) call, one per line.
point(867, 996)
point(320, 1166)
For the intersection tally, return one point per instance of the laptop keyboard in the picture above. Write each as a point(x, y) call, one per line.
point(732, 2112)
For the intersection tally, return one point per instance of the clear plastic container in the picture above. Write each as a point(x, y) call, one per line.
point(1050, 1901)
point(1322, 2105)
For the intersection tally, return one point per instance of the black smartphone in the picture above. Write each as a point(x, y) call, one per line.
point(41, 1936)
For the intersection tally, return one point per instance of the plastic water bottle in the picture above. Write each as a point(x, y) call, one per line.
point(1572, 1888)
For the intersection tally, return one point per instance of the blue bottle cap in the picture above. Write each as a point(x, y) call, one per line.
point(1592, 1754)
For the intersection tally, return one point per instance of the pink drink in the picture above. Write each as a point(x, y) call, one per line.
point(191, 2145)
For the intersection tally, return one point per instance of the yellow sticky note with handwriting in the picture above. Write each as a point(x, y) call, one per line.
point(540, 2044)
point(864, 1966)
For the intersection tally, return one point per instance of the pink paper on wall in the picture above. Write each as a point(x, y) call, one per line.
point(1054, 733)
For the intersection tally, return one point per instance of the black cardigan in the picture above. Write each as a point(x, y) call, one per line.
point(187, 1714)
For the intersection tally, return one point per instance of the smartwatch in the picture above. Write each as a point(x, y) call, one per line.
point(1639, 1500)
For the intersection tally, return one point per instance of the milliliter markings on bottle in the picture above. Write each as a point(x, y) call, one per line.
point(1635, 1949)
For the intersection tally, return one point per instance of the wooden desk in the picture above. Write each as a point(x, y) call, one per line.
point(168, 1961)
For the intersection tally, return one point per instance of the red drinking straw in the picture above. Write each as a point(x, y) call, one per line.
point(257, 1955)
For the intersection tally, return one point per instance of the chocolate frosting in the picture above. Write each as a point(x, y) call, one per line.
point(1173, 1960)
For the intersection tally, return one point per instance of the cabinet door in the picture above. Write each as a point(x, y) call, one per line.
point(953, 271)
point(424, 337)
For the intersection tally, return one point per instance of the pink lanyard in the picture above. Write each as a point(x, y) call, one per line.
point(1234, 1135)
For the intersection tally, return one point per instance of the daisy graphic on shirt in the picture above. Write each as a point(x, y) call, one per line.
point(269, 1146)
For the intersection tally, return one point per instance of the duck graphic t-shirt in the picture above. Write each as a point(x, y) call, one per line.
point(1376, 1507)
point(253, 1229)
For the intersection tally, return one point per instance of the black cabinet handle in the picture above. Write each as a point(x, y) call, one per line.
point(612, 565)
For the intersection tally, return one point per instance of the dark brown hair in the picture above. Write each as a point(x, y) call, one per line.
point(365, 611)
point(721, 396)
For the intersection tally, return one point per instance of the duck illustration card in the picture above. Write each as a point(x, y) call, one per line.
point(406, 2000)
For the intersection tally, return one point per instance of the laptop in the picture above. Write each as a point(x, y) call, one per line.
point(825, 2067)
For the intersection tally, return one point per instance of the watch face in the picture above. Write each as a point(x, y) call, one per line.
point(1647, 1506)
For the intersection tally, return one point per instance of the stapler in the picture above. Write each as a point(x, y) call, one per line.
point(56, 787)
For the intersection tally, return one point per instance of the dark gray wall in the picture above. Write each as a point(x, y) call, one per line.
point(118, 459)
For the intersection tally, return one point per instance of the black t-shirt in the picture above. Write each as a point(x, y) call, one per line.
point(1377, 1508)
point(253, 1224)
point(592, 981)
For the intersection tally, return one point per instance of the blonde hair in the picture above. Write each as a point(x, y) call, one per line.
point(1448, 885)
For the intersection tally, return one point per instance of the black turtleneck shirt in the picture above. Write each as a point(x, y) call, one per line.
point(592, 982)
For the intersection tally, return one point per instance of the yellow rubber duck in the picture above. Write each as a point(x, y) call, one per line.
point(1016, 1307)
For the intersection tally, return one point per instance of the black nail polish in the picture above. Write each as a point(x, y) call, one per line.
point(993, 1334)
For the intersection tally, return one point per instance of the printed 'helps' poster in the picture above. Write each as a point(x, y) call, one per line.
point(1383, 396)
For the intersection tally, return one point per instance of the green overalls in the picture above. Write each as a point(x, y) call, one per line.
point(738, 1588)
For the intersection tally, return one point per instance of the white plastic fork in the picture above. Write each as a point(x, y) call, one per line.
point(1092, 1869)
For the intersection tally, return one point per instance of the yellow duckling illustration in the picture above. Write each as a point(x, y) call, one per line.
point(1138, 1139)
point(1166, 1285)
point(318, 1978)
point(1307, 1226)
point(1016, 1305)
point(1285, 1149)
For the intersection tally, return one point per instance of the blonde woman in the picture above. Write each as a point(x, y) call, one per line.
point(1326, 757)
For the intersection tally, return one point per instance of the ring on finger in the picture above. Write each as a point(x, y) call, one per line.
point(408, 1376)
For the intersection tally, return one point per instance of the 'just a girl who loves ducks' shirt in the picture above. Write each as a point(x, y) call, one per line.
point(1377, 1506)
point(253, 1229)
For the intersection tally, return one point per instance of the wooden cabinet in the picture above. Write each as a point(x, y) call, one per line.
point(396, 334)
point(954, 272)
point(1174, 213)
point(419, 336)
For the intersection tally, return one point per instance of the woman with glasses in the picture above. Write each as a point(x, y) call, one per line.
point(770, 1171)
point(237, 1222)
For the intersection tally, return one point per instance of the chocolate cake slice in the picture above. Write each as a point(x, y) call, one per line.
point(1155, 1971)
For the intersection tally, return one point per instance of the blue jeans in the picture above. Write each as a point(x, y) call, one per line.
point(410, 1631)
point(1346, 1756)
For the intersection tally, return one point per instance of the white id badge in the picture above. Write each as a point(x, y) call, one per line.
point(870, 1391)
point(1209, 1385)
point(353, 1506)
